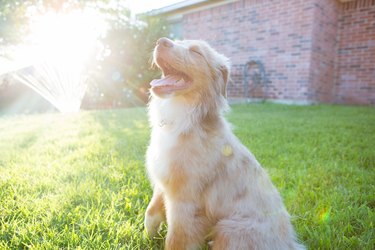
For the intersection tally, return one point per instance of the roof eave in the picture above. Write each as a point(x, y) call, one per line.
point(177, 7)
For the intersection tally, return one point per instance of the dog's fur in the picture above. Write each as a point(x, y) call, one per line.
point(207, 185)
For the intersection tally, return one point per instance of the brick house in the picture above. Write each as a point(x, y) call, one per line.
point(296, 51)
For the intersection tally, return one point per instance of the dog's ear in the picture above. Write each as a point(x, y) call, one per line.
point(225, 74)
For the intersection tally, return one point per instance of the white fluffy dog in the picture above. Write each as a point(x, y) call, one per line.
point(207, 185)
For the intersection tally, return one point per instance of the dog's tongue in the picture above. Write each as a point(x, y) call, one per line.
point(166, 81)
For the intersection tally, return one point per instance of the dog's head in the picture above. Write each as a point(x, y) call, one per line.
point(189, 67)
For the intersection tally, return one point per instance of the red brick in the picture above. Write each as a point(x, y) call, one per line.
point(313, 50)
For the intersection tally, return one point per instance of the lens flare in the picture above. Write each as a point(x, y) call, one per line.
point(66, 37)
point(58, 51)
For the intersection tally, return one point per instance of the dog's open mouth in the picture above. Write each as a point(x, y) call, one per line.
point(172, 79)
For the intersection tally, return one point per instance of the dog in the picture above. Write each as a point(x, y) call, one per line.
point(207, 186)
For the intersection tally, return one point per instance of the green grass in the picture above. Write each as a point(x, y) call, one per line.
point(79, 181)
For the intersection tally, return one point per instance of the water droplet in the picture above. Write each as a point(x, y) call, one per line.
point(116, 76)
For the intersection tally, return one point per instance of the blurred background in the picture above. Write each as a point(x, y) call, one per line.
point(96, 54)
point(55, 54)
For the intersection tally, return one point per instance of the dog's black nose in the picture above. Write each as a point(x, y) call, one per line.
point(165, 42)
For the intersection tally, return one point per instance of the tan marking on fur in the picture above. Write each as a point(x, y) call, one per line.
point(225, 73)
point(220, 242)
point(241, 195)
point(176, 180)
point(245, 161)
point(176, 240)
point(189, 235)
point(156, 206)
point(211, 125)
point(200, 213)
point(182, 140)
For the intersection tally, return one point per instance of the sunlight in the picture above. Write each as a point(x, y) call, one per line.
point(58, 48)
point(67, 38)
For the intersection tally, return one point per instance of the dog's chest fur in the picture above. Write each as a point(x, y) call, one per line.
point(177, 156)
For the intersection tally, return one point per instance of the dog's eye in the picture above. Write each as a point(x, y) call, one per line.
point(196, 51)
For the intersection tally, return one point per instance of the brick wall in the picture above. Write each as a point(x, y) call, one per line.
point(312, 50)
point(276, 33)
point(355, 81)
point(324, 50)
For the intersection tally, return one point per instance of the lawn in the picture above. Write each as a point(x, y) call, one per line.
point(78, 181)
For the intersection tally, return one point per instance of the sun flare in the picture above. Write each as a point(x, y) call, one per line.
point(58, 49)
point(66, 37)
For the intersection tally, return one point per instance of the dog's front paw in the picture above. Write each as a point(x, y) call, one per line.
point(152, 224)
